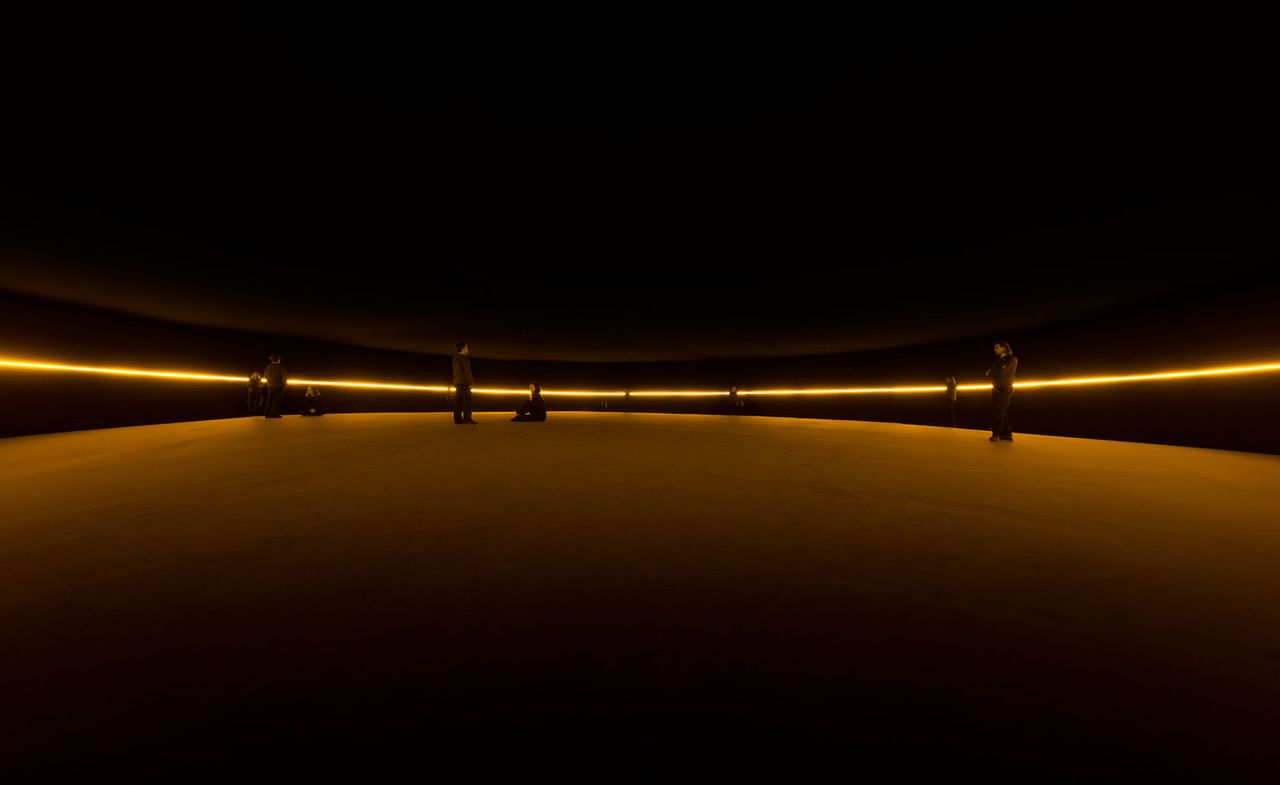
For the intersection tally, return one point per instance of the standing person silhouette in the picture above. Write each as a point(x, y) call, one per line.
point(462, 381)
point(534, 409)
point(735, 403)
point(1002, 372)
point(253, 400)
point(277, 377)
point(951, 400)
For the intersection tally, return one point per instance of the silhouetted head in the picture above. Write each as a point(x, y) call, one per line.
point(255, 377)
point(275, 358)
point(313, 392)
point(463, 348)
point(1003, 348)
point(951, 381)
point(534, 389)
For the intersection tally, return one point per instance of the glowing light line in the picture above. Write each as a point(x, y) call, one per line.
point(1024, 385)
point(1151, 377)
point(1088, 380)
point(365, 385)
point(567, 393)
point(849, 390)
point(195, 377)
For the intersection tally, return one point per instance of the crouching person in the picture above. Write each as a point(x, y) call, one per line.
point(534, 409)
point(312, 406)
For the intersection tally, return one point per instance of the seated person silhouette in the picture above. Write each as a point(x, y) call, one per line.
point(312, 406)
point(534, 409)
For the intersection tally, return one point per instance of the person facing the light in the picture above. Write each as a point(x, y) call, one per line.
point(1002, 372)
point(534, 409)
point(253, 401)
point(277, 377)
point(951, 400)
point(462, 381)
point(735, 402)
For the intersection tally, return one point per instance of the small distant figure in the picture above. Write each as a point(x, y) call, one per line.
point(312, 405)
point(952, 393)
point(253, 402)
point(534, 409)
point(735, 403)
point(1002, 372)
point(277, 377)
point(462, 381)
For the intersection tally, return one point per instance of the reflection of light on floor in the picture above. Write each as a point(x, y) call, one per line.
point(29, 365)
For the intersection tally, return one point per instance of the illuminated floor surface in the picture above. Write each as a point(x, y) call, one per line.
point(632, 590)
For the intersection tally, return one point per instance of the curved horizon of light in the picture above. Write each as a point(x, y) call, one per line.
point(905, 389)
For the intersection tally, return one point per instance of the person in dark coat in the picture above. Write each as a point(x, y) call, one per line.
point(277, 377)
point(253, 401)
point(952, 393)
point(534, 409)
point(462, 381)
point(312, 406)
point(1002, 372)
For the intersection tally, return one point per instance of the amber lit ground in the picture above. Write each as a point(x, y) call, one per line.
point(617, 593)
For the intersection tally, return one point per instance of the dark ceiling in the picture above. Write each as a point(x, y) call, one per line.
point(602, 182)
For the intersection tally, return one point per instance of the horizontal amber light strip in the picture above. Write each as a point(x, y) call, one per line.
point(31, 365)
